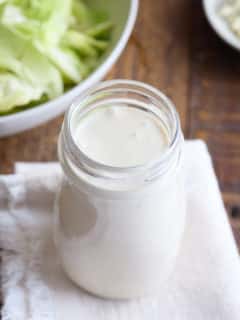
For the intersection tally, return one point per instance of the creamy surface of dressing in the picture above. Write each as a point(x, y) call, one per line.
point(121, 136)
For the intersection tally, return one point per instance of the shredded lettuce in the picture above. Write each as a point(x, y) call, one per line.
point(15, 91)
point(70, 65)
point(21, 59)
point(46, 47)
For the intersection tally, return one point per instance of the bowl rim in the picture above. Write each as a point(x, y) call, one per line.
point(94, 77)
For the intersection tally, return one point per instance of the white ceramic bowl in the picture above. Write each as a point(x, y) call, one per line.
point(211, 8)
point(123, 14)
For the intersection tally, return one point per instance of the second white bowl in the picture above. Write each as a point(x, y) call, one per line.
point(211, 8)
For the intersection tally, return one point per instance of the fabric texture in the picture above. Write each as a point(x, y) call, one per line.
point(205, 284)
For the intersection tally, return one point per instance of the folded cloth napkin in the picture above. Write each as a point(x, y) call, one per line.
point(204, 286)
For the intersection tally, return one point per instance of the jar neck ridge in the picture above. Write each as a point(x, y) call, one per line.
point(134, 95)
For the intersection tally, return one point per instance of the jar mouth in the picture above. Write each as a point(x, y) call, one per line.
point(134, 94)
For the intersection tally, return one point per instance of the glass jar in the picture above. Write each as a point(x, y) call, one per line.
point(118, 230)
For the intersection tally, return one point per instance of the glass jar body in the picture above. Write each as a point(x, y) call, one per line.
point(121, 245)
point(118, 230)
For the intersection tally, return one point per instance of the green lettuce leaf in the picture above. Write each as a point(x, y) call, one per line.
point(16, 92)
point(69, 64)
point(43, 21)
point(46, 47)
point(20, 58)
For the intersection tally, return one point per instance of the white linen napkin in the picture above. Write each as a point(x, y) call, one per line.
point(205, 284)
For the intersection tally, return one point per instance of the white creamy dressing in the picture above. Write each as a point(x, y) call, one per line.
point(121, 244)
point(120, 136)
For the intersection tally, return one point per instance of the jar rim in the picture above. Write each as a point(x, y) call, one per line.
point(98, 169)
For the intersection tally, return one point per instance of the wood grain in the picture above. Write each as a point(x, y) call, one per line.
point(174, 49)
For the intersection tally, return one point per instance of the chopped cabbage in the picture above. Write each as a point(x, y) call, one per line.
point(45, 47)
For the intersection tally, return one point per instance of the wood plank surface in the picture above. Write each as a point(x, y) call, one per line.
point(214, 107)
point(174, 49)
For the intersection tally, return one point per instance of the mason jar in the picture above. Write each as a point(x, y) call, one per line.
point(118, 229)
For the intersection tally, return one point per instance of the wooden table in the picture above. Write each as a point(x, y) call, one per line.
point(174, 49)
